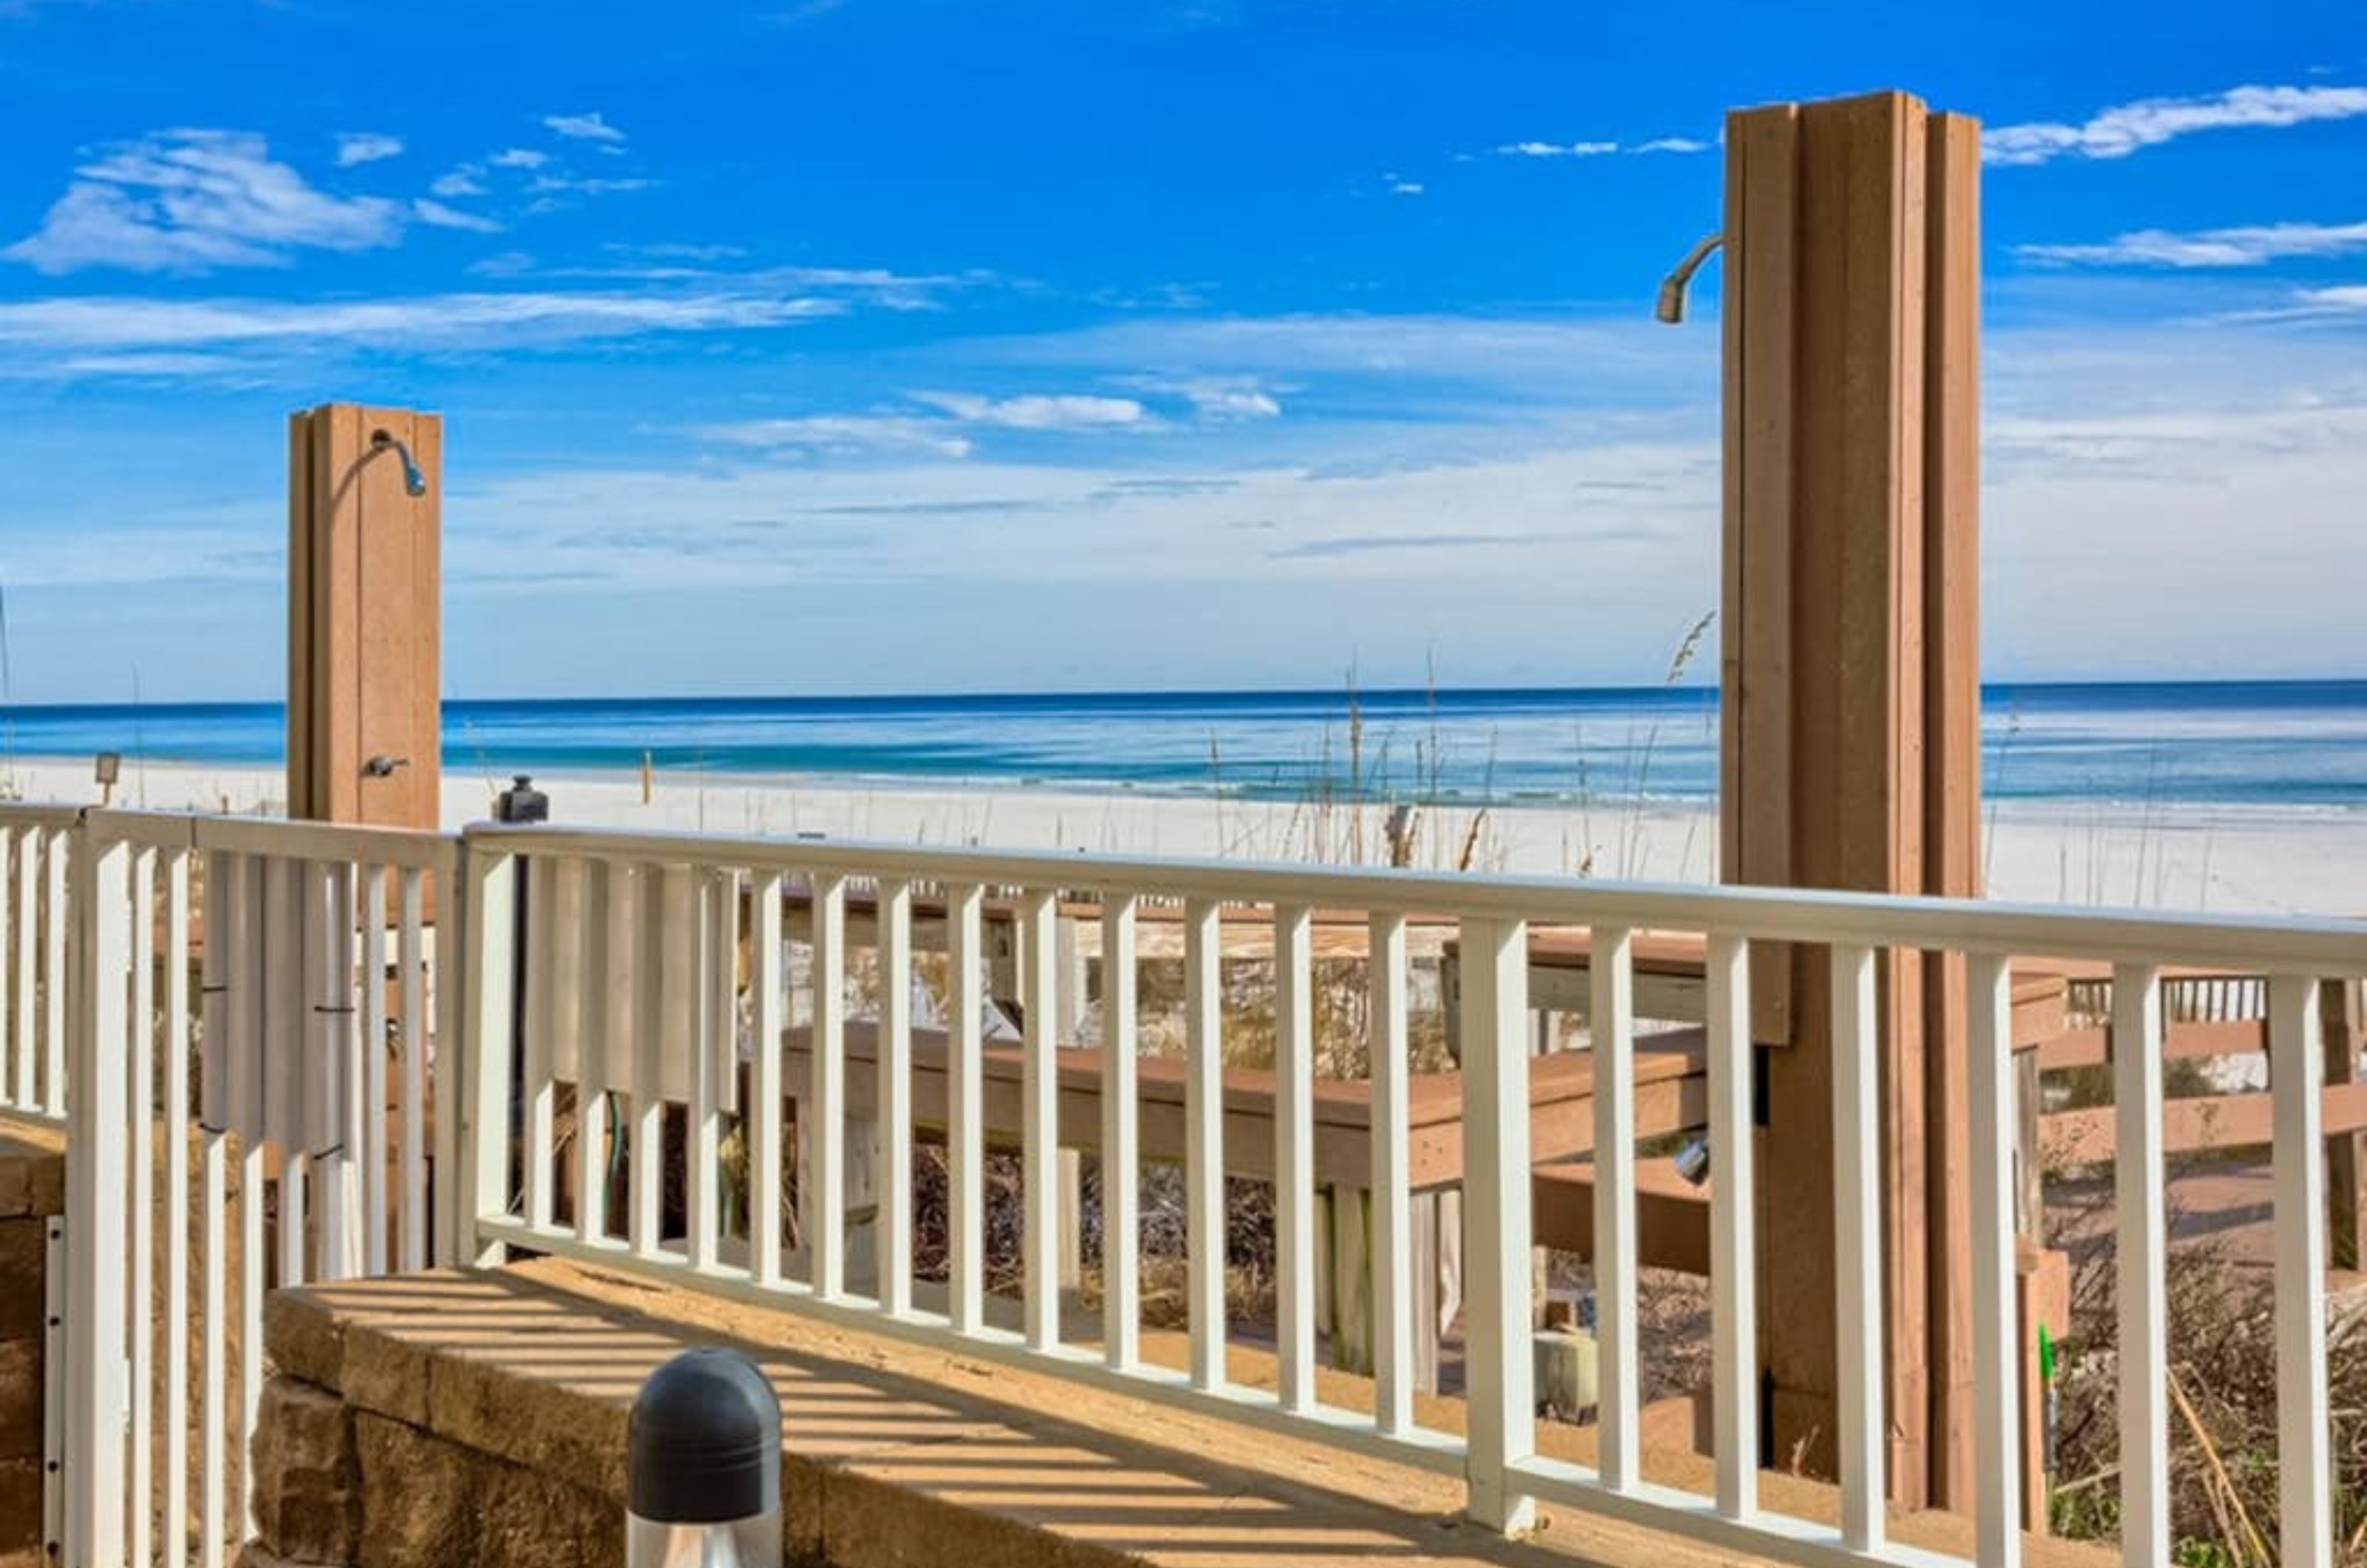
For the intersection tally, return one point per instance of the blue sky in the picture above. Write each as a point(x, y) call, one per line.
point(897, 344)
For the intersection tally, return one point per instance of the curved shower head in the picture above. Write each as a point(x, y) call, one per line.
point(1672, 305)
point(414, 482)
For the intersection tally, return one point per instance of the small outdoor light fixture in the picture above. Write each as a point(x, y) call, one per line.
point(110, 767)
point(1693, 1161)
point(703, 1478)
point(1672, 306)
point(521, 803)
point(414, 482)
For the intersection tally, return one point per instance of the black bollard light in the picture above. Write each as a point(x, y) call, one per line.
point(703, 1466)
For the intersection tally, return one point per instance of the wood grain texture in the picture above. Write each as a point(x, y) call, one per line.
point(365, 611)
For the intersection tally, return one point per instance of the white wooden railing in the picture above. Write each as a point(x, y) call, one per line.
point(625, 981)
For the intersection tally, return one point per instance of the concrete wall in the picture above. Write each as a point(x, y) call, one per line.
point(32, 1191)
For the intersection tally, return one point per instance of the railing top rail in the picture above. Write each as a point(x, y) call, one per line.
point(39, 814)
point(405, 848)
point(2299, 945)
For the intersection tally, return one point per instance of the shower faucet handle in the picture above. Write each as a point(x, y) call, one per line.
point(382, 766)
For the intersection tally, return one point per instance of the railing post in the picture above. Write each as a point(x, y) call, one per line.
point(488, 1018)
point(97, 1112)
point(1498, 1350)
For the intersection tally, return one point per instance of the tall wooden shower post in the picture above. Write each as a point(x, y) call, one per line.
point(1851, 744)
point(365, 615)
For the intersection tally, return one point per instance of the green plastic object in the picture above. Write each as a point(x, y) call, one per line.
point(2045, 1355)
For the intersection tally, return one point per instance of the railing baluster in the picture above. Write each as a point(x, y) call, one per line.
point(1734, 1303)
point(1500, 1372)
point(96, 1198)
point(1392, 1200)
point(557, 931)
point(342, 1077)
point(142, 1131)
point(411, 993)
point(822, 1118)
point(490, 919)
point(177, 1209)
point(690, 969)
point(892, 1177)
point(965, 1115)
point(60, 848)
point(29, 941)
point(1857, 1243)
point(374, 1153)
point(1294, 1155)
point(766, 1022)
point(647, 993)
point(1997, 1381)
point(2138, 1179)
point(1612, 1026)
point(1204, 1140)
point(541, 1046)
point(1121, 1156)
point(594, 1025)
point(16, 1054)
point(2297, 1076)
point(1040, 1120)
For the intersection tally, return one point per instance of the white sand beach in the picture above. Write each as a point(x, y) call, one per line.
point(2226, 858)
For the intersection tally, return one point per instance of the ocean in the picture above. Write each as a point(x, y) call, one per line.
point(2263, 743)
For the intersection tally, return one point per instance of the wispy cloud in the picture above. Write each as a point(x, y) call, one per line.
point(592, 127)
point(432, 321)
point(462, 181)
point(1214, 397)
point(1557, 149)
point(436, 214)
point(367, 147)
point(1037, 411)
point(2343, 302)
point(1600, 148)
point(2253, 245)
point(2125, 128)
point(518, 158)
point(845, 433)
point(192, 200)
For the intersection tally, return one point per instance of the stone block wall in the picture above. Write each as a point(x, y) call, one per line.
point(32, 1191)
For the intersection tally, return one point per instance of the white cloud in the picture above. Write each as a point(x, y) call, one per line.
point(461, 181)
point(590, 127)
point(83, 323)
point(518, 158)
point(2125, 128)
point(1557, 149)
point(1600, 148)
point(1404, 187)
point(2254, 245)
point(1039, 410)
point(2344, 302)
point(845, 433)
point(548, 184)
point(437, 215)
point(190, 200)
point(1215, 397)
point(366, 147)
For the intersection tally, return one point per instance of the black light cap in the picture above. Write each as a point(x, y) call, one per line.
point(704, 1441)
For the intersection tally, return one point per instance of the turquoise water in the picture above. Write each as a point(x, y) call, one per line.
point(2301, 743)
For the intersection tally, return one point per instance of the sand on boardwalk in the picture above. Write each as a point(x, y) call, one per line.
point(2225, 857)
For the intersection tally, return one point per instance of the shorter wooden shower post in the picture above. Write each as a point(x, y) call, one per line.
point(365, 615)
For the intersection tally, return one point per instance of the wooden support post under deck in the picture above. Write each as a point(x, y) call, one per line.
point(2342, 1013)
point(1850, 754)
